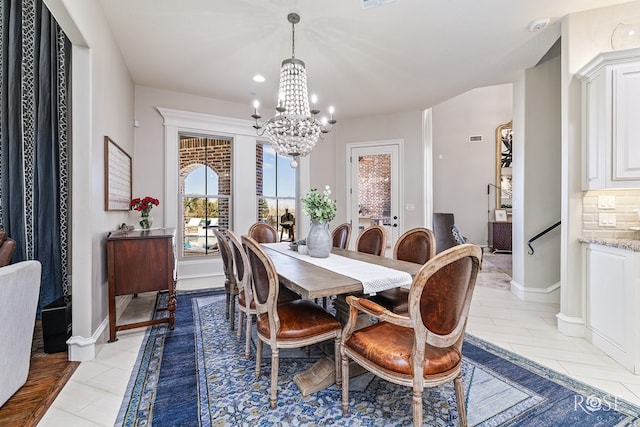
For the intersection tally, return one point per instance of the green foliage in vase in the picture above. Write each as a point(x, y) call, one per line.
point(318, 206)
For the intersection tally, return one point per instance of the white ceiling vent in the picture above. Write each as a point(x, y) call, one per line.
point(475, 138)
point(367, 4)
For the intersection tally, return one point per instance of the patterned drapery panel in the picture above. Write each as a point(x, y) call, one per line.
point(35, 67)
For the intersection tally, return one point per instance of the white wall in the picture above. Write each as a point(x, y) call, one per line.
point(463, 170)
point(538, 166)
point(102, 104)
point(407, 126)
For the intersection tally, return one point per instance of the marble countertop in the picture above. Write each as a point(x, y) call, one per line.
point(630, 244)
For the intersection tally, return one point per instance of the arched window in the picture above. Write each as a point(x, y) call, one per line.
point(205, 190)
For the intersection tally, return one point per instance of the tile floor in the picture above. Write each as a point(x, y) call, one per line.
point(93, 395)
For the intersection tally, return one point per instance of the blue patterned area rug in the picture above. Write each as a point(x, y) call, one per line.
point(197, 375)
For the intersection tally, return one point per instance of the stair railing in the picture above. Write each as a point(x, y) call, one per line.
point(542, 233)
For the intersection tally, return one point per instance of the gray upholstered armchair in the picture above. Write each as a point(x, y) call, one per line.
point(19, 289)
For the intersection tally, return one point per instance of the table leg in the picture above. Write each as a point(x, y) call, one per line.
point(322, 374)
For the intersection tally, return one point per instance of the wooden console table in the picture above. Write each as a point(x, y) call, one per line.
point(500, 236)
point(137, 262)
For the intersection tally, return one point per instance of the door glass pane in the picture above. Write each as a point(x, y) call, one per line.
point(374, 190)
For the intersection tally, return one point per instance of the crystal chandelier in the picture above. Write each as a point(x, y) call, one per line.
point(294, 130)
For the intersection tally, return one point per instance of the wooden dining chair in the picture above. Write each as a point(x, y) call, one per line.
point(426, 349)
point(230, 285)
point(246, 305)
point(262, 232)
point(372, 240)
point(341, 235)
point(291, 324)
point(417, 245)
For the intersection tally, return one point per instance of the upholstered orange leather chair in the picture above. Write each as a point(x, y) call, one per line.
point(262, 232)
point(7, 248)
point(341, 235)
point(291, 324)
point(230, 285)
point(246, 305)
point(417, 245)
point(372, 240)
point(423, 349)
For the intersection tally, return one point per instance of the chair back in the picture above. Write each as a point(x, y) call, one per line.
point(264, 283)
point(227, 259)
point(262, 232)
point(287, 216)
point(241, 262)
point(440, 297)
point(417, 245)
point(373, 240)
point(443, 229)
point(341, 235)
point(7, 248)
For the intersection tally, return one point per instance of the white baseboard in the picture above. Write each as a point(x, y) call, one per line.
point(571, 326)
point(81, 348)
point(550, 294)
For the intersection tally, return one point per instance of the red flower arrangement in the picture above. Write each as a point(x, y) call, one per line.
point(144, 205)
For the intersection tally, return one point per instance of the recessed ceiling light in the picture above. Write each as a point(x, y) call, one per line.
point(258, 78)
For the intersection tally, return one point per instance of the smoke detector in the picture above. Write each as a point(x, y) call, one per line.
point(538, 24)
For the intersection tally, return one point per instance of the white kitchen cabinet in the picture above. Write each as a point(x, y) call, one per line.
point(611, 128)
point(612, 299)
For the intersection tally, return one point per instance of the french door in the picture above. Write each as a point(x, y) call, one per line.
point(374, 188)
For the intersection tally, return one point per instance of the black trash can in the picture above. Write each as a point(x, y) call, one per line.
point(56, 325)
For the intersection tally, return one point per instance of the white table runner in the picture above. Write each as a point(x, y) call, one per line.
point(374, 278)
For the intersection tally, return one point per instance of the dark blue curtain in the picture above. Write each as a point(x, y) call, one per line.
point(35, 65)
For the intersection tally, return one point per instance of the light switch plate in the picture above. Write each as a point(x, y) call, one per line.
point(607, 219)
point(606, 202)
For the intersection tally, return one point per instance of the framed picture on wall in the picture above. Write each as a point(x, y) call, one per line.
point(501, 215)
point(117, 177)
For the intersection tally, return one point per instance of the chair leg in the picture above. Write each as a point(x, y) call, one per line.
point(258, 356)
point(345, 382)
point(337, 358)
point(462, 411)
point(274, 377)
point(247, 346)
point(233, 311)
point(228, 301)
point(417, 408)
point(239, 335)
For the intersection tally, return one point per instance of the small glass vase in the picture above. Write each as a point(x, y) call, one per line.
point(146, 221)
point(319, 240)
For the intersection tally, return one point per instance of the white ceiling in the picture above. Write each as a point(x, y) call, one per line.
point(407, 54)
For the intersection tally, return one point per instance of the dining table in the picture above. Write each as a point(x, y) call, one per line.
point(344, 272)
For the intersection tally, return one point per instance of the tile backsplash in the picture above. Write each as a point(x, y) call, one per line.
point(609, 214)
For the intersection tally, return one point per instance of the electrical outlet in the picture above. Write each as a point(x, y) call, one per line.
point(606, 202)
point(607, 219)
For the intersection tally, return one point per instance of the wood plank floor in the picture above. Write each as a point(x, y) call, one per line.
point(48, 373)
